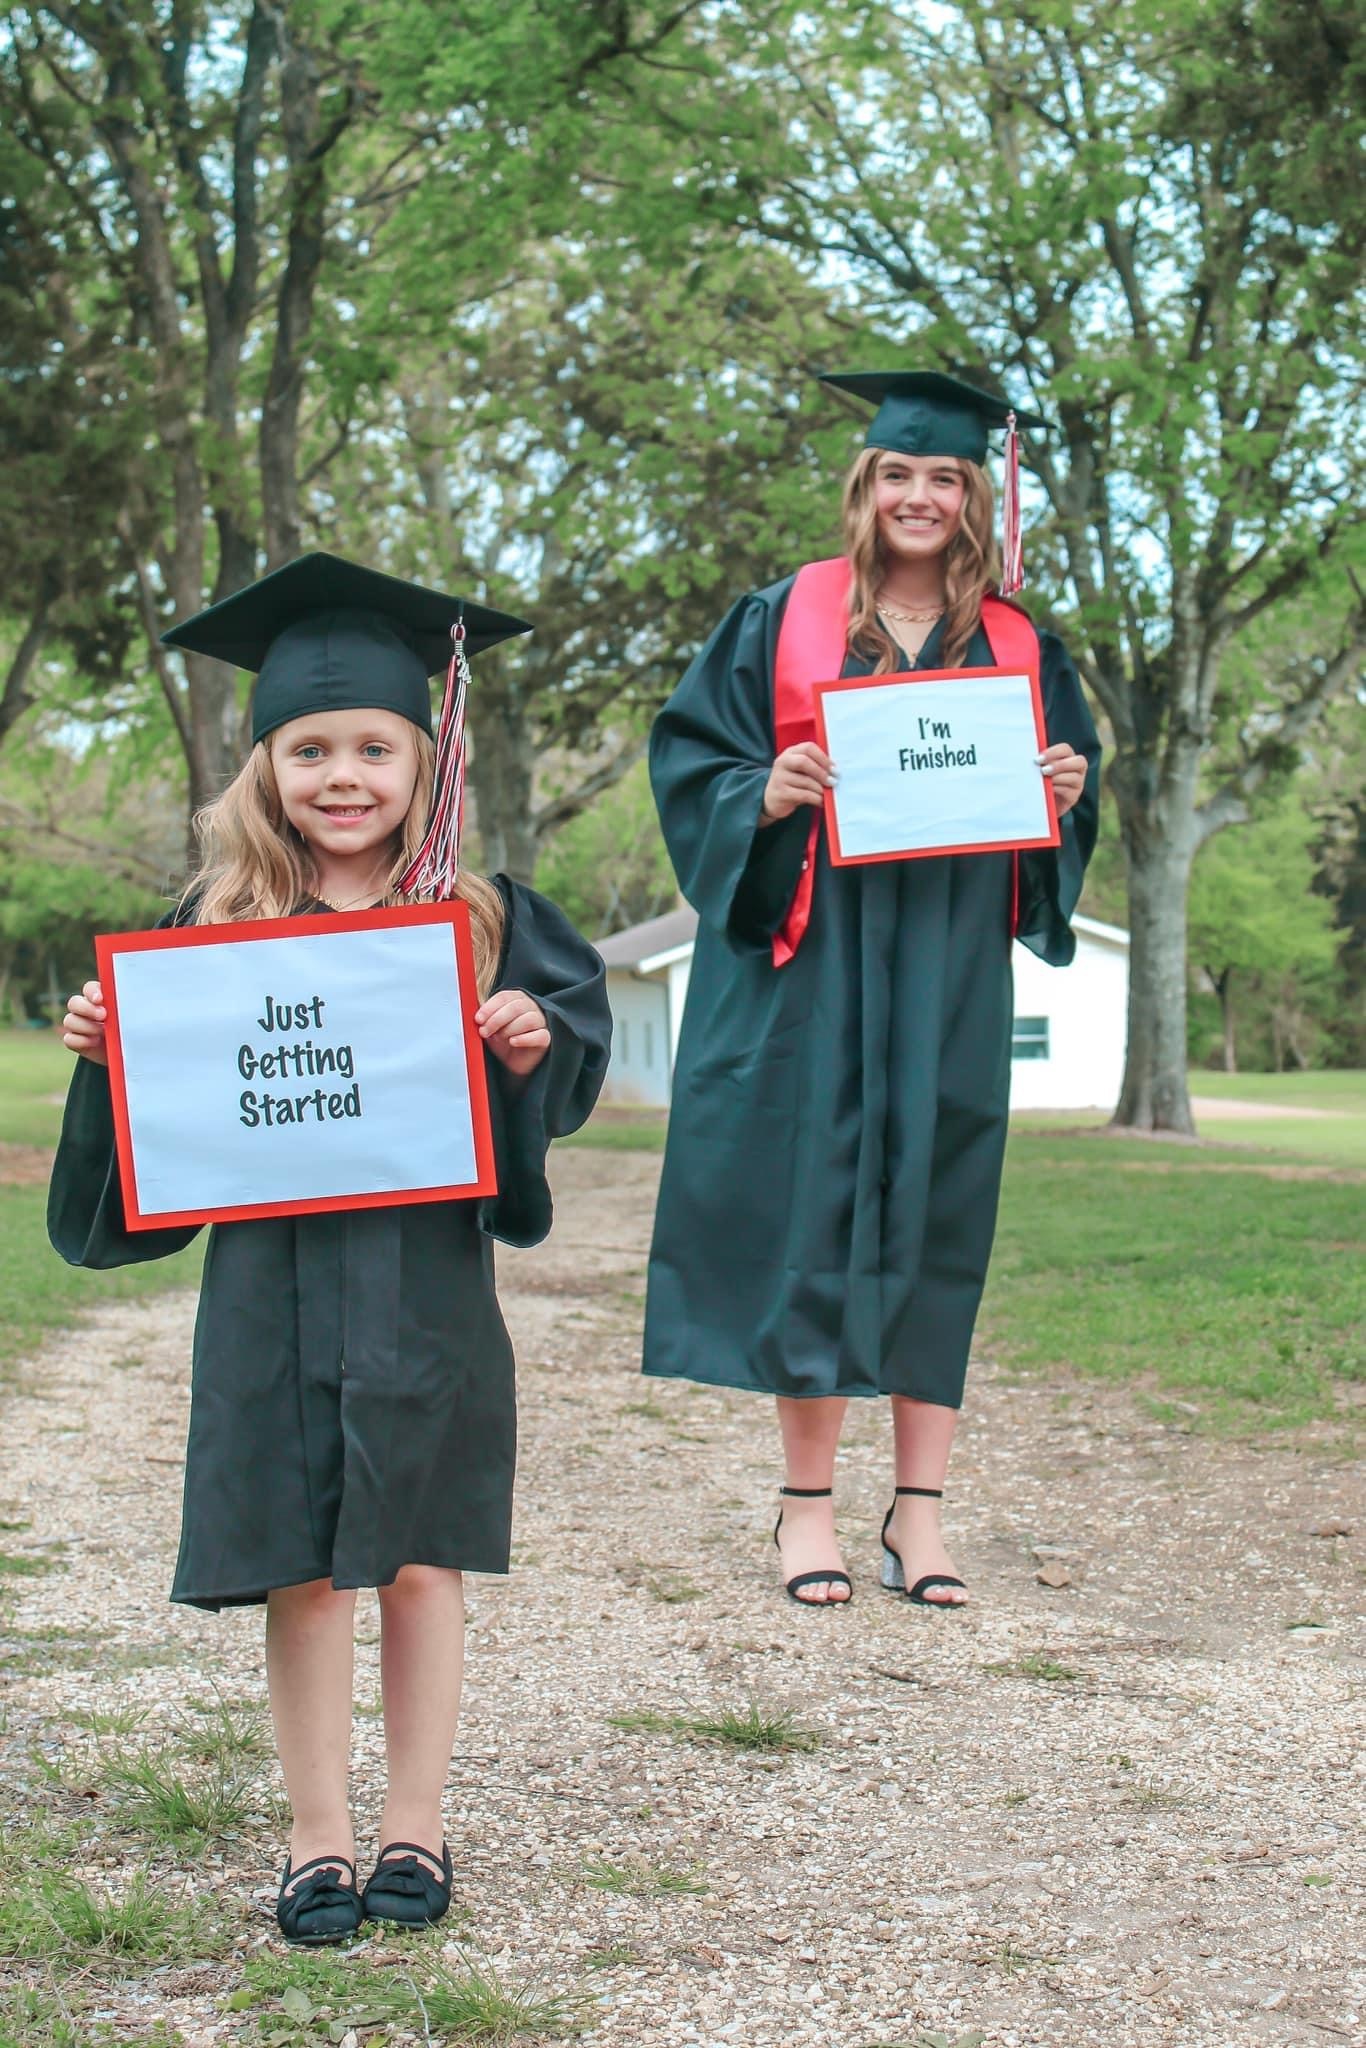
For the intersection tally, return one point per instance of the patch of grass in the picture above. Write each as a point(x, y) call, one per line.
point(320, 1998)
point(651, 1410)
point(225, 1732)
point(640, 1880)
point(1149, 1798)
point(35, 1068)
point(58, 1918)
point(606, 1134)
point(672, 1588)
point(1177, 1267)
point(755, 1728)
point(642, 1721)
point(40, 1293)
point(164, 1803)
point(25, 1565)
point(107, 1721)
point(1016, 1796)
point(611, 1958)
point(1035, 1665)
point(1012, 1960)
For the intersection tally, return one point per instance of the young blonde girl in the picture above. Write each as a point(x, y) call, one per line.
point(353, 1406)
point(842, 1080)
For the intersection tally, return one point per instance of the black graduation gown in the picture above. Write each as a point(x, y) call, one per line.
point(353, 1402)
point(834, 1153)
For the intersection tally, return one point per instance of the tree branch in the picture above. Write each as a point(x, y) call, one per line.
point(1230, 803)
point(562, 808)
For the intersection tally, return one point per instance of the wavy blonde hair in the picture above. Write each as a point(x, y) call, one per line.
point(253, 863)
point(972, 563)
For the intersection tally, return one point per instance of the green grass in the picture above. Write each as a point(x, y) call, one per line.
point(59, 1918)
point(640, 1880)
point(34, 1070)
point(1184, 1268)
point(755, 1728)
point(184, 1807)
point(319, 1998)
point(1341, 1090)
point(610, 1131)
point(39, 1293)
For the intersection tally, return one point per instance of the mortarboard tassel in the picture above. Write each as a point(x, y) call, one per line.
point(1012, 545)
point(431, 877)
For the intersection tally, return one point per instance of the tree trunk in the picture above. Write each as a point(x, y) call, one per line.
point(17, 697)
point(1223, 988)
point(1159, 845)
point(501, 768)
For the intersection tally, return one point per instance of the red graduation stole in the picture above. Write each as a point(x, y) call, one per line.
point(811, 648)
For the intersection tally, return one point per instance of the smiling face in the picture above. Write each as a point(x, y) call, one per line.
point(919, 503)
point(346, 782)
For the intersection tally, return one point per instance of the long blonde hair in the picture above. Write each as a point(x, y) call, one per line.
point(972, 563)
point(252, 862)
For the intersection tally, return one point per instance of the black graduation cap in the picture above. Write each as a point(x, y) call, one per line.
point(923, 412)
point(325, 634)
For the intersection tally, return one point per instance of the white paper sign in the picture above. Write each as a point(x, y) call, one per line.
point(326, 1066)
point(945, 764)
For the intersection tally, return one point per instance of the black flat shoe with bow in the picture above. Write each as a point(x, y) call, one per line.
point(403, 1889)
point(322, 1908)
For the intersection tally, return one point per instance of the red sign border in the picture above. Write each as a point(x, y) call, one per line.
point(108, 948)
point(820, 691)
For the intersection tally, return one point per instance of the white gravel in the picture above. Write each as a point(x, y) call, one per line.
point(1164, 1848)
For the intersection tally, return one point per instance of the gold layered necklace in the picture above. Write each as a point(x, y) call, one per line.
point(917, 615)
point(366, 896)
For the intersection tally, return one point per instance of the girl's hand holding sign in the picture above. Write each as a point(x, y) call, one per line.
point(514, 1030)
point(83, 1024)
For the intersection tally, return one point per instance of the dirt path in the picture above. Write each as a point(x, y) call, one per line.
point(1125, 1811)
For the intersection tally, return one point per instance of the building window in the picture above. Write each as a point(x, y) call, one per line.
point(624, 1041)
point(649, 1044)
point(1030, 1039)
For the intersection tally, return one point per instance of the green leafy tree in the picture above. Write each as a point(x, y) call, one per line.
point(1258, 930)
point(1149, 221)
point(608, 867)
point(614, 454)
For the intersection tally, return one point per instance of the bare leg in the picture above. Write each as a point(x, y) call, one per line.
point(422, 1662)
point(309, 1666)
point(811, 1434)
point(923, 1433)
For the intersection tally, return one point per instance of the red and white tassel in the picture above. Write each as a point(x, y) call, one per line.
point(431, 877)
point(1012, 544)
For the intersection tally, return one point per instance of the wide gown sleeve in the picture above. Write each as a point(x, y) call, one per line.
point(85, 1220)
point(1051, 877)
point(711, 750)
point(545, 956)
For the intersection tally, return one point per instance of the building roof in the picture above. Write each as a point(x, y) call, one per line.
point(645, 942)
point(654, 944)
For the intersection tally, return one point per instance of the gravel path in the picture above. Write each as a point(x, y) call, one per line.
point(1121, 1810)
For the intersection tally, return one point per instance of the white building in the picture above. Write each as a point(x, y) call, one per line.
point(1070, 1022)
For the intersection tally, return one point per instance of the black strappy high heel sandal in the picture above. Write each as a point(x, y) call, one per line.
point(323, 1909)
point(403, 1889)
point(893, 1573)
point(792, 1587)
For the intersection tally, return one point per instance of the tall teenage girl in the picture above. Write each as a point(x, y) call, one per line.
point(353, 1409)
point(840, 1098)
